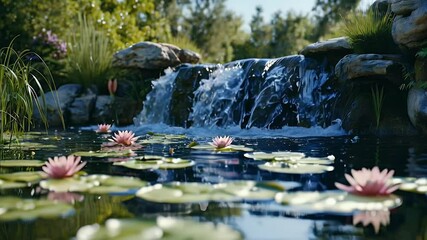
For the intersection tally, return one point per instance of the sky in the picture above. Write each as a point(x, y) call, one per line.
point(246, 8)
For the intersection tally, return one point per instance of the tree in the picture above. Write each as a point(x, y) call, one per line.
point(329, 12)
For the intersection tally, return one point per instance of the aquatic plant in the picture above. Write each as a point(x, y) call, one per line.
point(221, 142)
point(124, 138)
point(377, 101)
point(20, 85)
point(112, 86)
point(103, 128)
point(369, 182)
point(62, 167)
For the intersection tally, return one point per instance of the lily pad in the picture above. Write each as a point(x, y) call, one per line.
point(13, 208)
point(21, 163)
point(164, 163)
point(94, 184)
point(177, 192)
point(290, 168)
point(29, 177)
point(29, 146)
point(417, 185)
point(274, 155)
point(9, 184)
point(335, 202)
point(105, 154)
point(163, 228)
point(231, 148)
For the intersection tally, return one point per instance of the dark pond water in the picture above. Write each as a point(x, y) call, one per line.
point(255, 220)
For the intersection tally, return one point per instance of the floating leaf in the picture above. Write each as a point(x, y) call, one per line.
point(418, 185)
point(29, 146)
point(13, 208)
point(335, 202)
point(289, 168)
point(164, 163)
point(274, 155)
point(29, 177)
point(105, 154)
point(177, 192)
point(8, 184)
point(231, 148)
point(163, 228)
point(21, 163)
point(94, 184)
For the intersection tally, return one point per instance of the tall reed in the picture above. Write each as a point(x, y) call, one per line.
point(377, 100)
point(20, 85)
point(89, 54)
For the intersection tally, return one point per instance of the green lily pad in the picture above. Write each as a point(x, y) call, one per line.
point(164, 163)
point(335, 202)
point(29, 177)
point(29, 146)
point(231, 148)
point(417, 185)
point(104, 154)
point(163, 228)
point(21, 163)
point(94, 184)
point(274, 155)
point(177, 192)
point(13, 208)
point(289, 168)
point(8, 184)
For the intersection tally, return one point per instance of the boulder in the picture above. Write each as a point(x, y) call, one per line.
point(56, 102)
point(330, 46)
point(102, 112)
point(404, 7)
point(149, 55)
point(81, 108)
point(410, 31)
point(417, 108)
point(355, 66)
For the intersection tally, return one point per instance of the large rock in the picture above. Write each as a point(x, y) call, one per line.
point(81, 108)
point(57, 102)
point(330, 46)
point(355, 66)
point(149, 55)
point(404, 7)
point(410, 29)
point(417, 108)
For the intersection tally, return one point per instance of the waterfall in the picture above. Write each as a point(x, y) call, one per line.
point(263, 93)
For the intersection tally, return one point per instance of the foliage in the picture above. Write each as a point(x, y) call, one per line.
point(90, 54)
point(422, 53)
point(377, 101)
point(370, 32)
point(329, 12)
point(20, 83)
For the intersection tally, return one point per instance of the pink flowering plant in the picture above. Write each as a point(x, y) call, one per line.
point(221, 142)
point(369, 182)
point(122, 140)
point(63, 167)
point(103, 128)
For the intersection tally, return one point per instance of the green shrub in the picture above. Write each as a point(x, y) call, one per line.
point(20, 85)
point(89, 55)
point(370, 32)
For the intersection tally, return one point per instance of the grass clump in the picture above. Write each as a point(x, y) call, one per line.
point(20, 85)
point(370, 32)
point(89, 55)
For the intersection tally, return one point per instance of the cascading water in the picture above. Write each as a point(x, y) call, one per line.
point(262, 93)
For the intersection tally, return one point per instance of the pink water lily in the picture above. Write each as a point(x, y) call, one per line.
point(375, 218)
point(124, 138)
point(112, 86)
point(368, 182)
point(62, 167)
point(221, 142)
point(103, 128)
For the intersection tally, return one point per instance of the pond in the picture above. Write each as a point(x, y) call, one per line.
point(255, 216)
